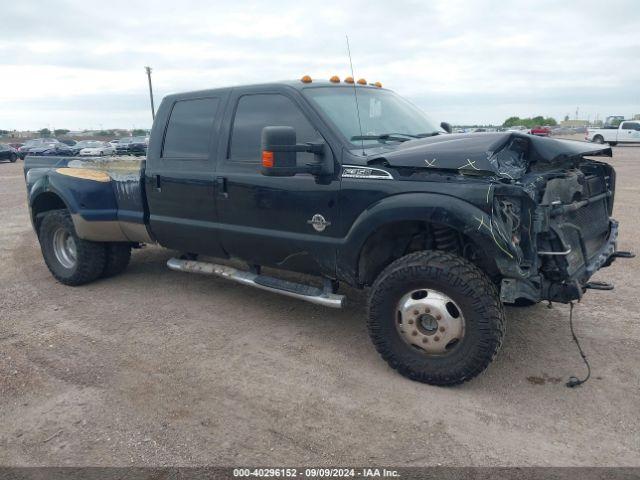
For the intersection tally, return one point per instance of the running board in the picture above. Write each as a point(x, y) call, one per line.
point(290, 289)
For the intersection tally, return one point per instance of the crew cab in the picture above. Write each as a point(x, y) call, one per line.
point(348, 182)
point(627, 132)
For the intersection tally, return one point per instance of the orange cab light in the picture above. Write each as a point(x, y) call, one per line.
point(362, 81)
point(335, 79)
point(378, 84)
point(306, 79)
point(348, 80)
point(267, 159)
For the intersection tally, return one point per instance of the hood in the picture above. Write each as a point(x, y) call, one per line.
point(504, 154)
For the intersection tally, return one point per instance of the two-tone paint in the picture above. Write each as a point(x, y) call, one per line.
point(220, 208)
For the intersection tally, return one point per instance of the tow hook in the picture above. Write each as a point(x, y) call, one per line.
point(623, 254)
point(599, 285)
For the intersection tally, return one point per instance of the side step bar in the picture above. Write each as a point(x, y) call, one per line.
point(263, 282)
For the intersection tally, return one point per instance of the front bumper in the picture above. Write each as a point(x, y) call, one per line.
point(573, 286)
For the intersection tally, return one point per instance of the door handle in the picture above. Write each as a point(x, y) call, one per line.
point(221, 187)
point(158, 184)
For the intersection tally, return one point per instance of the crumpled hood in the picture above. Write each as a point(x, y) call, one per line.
point(504, 154)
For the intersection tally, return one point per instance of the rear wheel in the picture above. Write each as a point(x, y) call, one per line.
point(71, 260)
point(117, 260)
point(598, 139)
point(13, 158)
point(436, 318)
point(613, 144)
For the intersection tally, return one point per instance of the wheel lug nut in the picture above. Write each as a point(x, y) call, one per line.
point(436, 338)
point(416, 312)
point(441, 329)
point(427, 310)
point(410, 322)
point(425, 340)
point(414, 333)
point(438, 317)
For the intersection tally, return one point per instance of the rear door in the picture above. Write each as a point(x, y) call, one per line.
point(180, 177)
point(282, 222)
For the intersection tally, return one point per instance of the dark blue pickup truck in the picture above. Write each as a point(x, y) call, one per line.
point(351, 183)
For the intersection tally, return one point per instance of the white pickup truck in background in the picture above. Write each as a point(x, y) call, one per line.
point(627, 132)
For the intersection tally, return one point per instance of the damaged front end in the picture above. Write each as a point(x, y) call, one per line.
point(548, 206)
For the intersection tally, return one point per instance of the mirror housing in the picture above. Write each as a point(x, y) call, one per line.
point(446, 127)
point(279, 154)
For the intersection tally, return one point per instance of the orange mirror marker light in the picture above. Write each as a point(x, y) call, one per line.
point(267, 159)
point(306, 79)
point(362, 81)
point(348, 80)
point(335, 79)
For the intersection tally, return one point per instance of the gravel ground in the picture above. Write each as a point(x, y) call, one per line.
point(156, 367)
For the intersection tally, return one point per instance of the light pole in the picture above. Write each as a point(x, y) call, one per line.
point(153, 111)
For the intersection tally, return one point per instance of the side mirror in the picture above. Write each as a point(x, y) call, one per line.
point(446, 127)
point(279, 154)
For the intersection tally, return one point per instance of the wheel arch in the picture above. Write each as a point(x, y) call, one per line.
point(396, 225)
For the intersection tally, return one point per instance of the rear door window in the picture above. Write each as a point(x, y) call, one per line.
point(190, 129)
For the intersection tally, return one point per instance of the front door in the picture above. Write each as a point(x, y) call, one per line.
point(282, 222)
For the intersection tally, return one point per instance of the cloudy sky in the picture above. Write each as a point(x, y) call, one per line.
point(80, 63)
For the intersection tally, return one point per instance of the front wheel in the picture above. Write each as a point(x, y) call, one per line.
point(13, 158)
point(70, 259)
point(598, 139)
point(436, 318)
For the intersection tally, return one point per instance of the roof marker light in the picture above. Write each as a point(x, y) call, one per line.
point(378, 84)
point(348, 80)
point(306, 79)
point(362, 81)
point(335, 79)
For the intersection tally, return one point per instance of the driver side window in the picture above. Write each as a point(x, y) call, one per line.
point(256, 111)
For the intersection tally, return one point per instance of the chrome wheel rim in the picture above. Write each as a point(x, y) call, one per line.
point(64, 248)
point(430, 321)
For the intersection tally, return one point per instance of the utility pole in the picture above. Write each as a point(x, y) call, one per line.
point(153, 110)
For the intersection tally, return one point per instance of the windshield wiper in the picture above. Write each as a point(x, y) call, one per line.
point(396, 137)
point(430, 134)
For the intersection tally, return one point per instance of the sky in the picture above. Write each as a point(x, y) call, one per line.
point(79, 64)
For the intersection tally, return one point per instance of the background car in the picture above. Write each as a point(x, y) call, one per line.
point(98, 149)
point(86, 144)
point(540, 131)
point(138, 146)
point(52, 150)
point(7, 152)
point(123, 146)
point(25, 149)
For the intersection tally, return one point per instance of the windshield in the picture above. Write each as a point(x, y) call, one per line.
point(382, 113)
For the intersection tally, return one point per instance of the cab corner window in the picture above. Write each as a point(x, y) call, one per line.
point(256, 111)
point(190, 129)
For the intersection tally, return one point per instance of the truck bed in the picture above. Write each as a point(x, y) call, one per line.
point(110, 209)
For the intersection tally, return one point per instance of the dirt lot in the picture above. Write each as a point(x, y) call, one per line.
point(156, 367)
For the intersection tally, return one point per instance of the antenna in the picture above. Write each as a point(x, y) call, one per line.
point(355, 94)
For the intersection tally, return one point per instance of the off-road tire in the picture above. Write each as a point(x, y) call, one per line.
point(117, 259)
point(13, 157)
point(90, 256)
point(464, 283)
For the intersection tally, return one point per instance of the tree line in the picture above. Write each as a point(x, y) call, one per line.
point(530, 122)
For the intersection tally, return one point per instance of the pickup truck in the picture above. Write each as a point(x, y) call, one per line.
point(627, 132)
point(347, 182)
